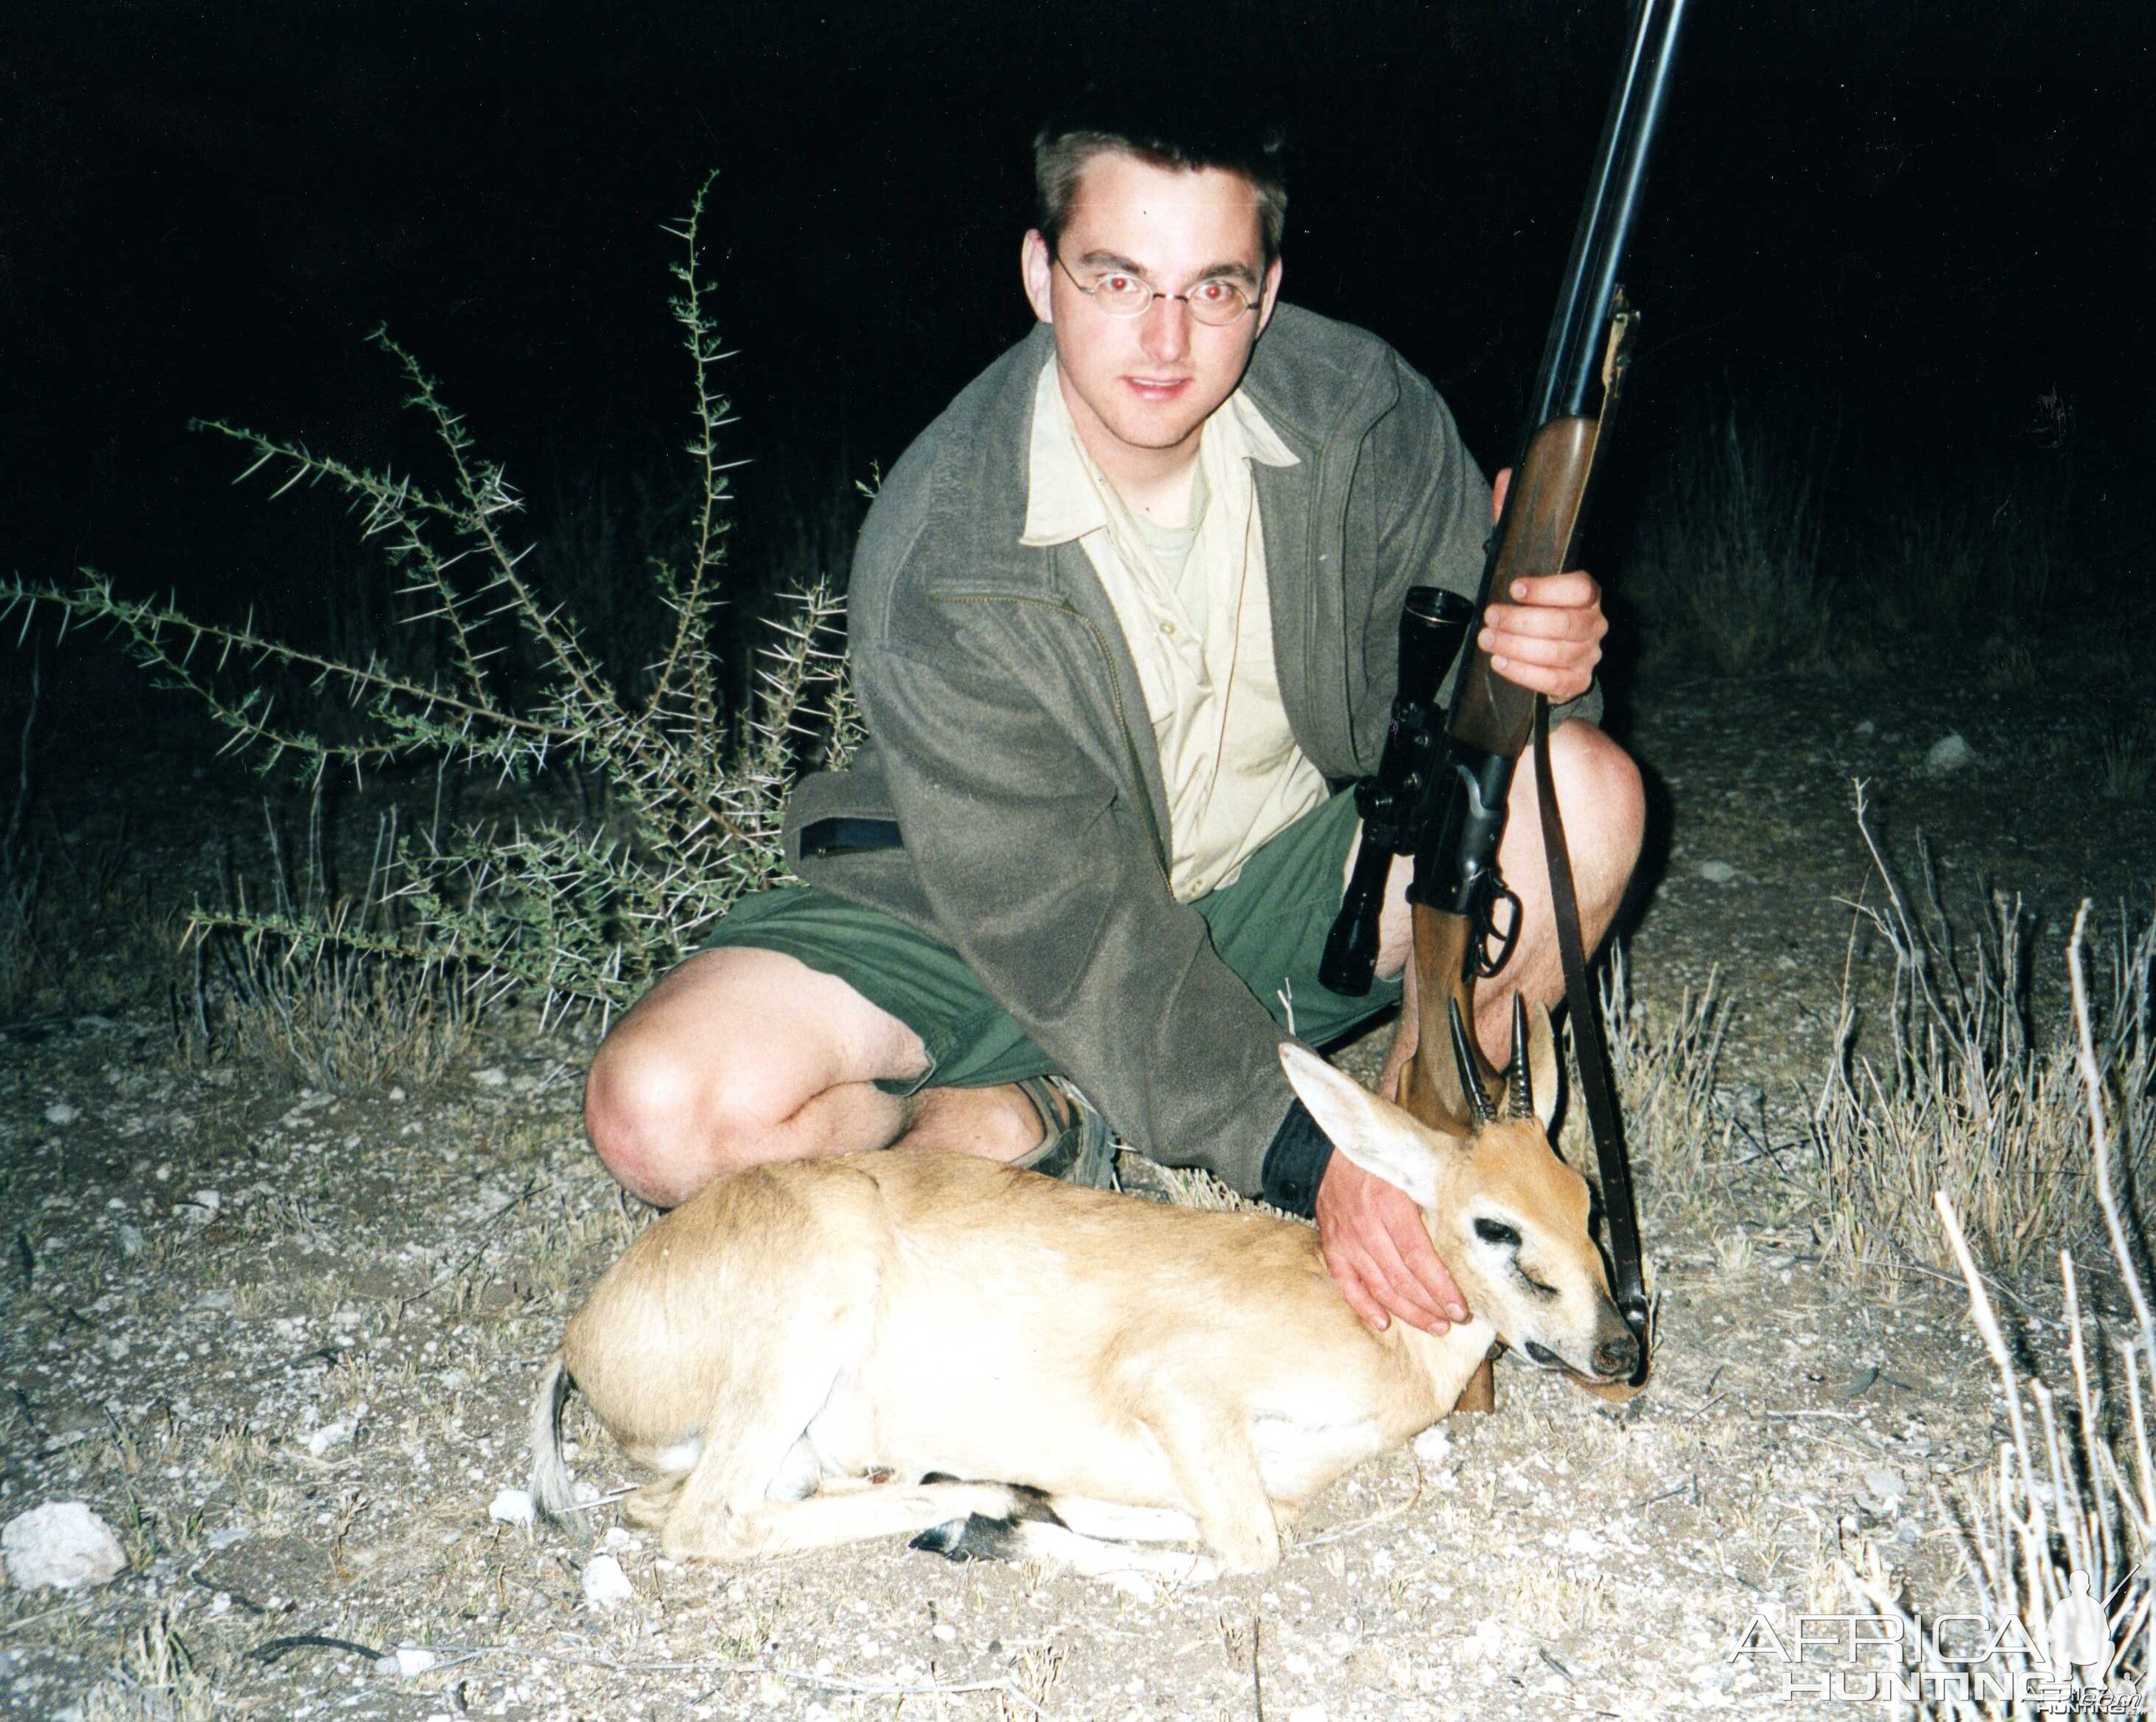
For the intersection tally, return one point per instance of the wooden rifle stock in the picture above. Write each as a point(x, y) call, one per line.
point(1542, 518)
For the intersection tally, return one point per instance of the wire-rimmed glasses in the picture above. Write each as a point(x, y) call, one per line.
point(1215, 301)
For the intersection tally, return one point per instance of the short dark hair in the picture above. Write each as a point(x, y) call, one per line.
point(1178, 135)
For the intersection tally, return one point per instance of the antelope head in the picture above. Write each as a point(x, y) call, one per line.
point(1509, 1219)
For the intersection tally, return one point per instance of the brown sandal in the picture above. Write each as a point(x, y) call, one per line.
point(1077, 1146)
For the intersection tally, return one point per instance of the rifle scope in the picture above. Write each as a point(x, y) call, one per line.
point(1433, 623)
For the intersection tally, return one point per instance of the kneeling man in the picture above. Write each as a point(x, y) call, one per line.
point(1124, 621)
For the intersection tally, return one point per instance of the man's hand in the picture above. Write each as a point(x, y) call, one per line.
point(1378, 1254)
point(1549, 637)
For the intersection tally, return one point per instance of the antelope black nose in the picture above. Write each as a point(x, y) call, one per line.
point(1618, 1356)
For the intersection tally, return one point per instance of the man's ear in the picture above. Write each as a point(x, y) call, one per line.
point(1269, 295)
point(1037, 270)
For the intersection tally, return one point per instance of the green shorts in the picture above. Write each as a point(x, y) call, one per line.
point(1270, 926)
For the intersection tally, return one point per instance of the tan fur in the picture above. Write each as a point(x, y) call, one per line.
point(801, 1324)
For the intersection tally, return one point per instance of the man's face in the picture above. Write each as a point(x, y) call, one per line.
point(1141, 388)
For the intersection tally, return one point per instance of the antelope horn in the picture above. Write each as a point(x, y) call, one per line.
point(1470, 1084)
point(1519, 1085)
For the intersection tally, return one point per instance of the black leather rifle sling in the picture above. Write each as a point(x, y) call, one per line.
point(1605, 1120)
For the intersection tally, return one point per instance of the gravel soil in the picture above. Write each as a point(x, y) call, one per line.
point(283, 1340)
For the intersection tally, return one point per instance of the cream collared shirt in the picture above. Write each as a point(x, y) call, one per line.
point(1202, 641)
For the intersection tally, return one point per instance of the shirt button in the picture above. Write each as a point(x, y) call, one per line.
point(1168, 628)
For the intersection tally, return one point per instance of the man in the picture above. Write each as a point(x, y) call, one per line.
point(1121, 620)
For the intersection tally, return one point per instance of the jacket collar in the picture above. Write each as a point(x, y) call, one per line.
point(1317, 386)
point(1066, 493)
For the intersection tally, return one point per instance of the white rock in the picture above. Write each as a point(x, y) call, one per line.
point(406, 1661)
point(1868, 728)
point(59, 1112)
point(1485, 1641)
point(1433, 1447)
point(493, 1077)
point(330, 1435)
point(1949, 753)
point(1887, 1485)
point(945, 1632)
point(201, 1208)
point(61, 1544)
point(131, 1239)
point(396, 1091)
point(1135, 1585)
point(1716, 872)
point(513, 1506)
point(605, 1584)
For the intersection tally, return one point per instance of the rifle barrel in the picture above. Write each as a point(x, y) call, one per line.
point(1572, 356)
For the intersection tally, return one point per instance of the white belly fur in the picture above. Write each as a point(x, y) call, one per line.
point(1297, 1458)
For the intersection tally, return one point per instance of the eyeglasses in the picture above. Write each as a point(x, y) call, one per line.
point(1120, 293)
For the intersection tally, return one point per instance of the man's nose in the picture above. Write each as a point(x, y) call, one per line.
point(1167, 331)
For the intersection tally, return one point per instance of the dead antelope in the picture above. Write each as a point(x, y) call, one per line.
point(1076, 1355)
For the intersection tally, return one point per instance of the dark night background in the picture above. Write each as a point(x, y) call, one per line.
point(1917, 224)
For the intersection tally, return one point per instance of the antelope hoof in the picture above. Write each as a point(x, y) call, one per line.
point(972, 1538)
point(986, 1535)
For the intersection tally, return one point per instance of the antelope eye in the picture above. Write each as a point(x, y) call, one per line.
point(1497, 1232)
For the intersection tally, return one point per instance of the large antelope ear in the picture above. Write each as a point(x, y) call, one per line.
point(1374, 1133)
point(1542, 1062)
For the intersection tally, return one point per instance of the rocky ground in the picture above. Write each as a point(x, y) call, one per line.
point(282, 1339)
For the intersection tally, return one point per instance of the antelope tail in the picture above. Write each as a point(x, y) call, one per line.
point(552, 1490)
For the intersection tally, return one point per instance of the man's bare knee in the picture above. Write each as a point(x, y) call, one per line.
point(1604, 801)
point(650, 1116)
point(712, 1070)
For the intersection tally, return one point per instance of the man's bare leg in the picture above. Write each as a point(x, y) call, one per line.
point(1605, 808)
point(741, 1057)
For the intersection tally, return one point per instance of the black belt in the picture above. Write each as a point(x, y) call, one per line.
point(849, 837)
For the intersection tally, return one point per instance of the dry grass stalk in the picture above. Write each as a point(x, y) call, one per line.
point(2073, 1495)
point(1961, 1100)
point(1666, 1064)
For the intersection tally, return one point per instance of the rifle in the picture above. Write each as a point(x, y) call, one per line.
point(1439, 795)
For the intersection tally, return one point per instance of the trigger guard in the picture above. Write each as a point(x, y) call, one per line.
point(1487, 965)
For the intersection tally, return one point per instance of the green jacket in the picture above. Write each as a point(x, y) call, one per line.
point(1011, 742)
